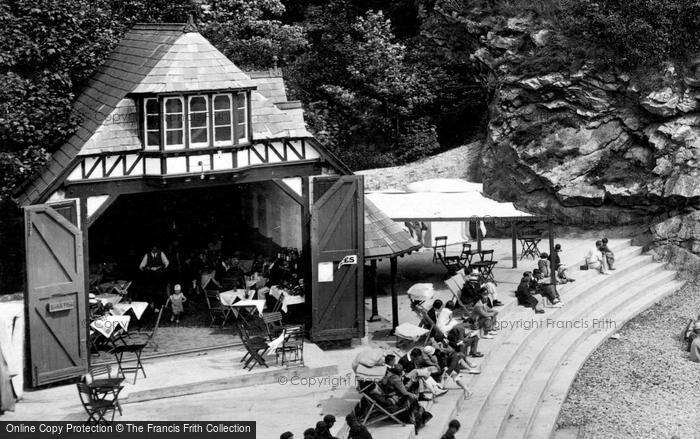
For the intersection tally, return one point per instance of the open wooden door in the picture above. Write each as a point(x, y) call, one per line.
point(55, 293)
point(337, 258)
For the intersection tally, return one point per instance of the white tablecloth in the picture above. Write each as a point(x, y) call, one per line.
point(106, 325)
point(227, 297)
point(287, 299)
point(109, 298)
point(248, 304)
point(137, 307)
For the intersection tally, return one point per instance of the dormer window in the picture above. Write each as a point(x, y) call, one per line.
point(198, 121)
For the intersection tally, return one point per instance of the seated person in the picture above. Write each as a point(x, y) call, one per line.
point(524, 294)
point(594, 258)
point(445, 322)
point(544, 288)
point(398, 396)
point(299, 289)
point(492, 293)
point(464, 340)
point(608, 255)
point(432, 315)
point(418, 374)
point(470, 291)
point(543, 265)
point(562, 276)
point(453, 362)
point(357, 430)
point(483, 316)
point(230, 275)
point(692, 337)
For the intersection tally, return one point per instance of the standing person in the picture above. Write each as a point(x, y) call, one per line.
point(153, 266)
point(177, 301)
point(357, 430)
point(607, 254)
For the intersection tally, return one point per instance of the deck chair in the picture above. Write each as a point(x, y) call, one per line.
point(103, 385)
point(216, 309)
point(256, 348)
point(425, 322)
point(369, 410)
point(455, 284)
point(292, 349)
point(96, 408)
point(135, 349)
point(440, 246)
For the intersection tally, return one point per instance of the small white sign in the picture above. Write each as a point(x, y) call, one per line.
point(325, 272)
point(348, 260)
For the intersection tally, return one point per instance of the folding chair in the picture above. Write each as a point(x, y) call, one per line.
point(371, 411)
point(292, 346)
point(216, 308)
point(440, 246)
point(486, 255)
point(136, 349)
point(465, 257)
point(451, 263)
point(273, 324)
point(96, 408)
point(255, 347)
point(486, 269)
point(104, 386)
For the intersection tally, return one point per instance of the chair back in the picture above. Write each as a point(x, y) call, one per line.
point(439, 246)
point(85, 394)
point(213, 299)
point(466, 250)
point(104, 369)
point(486, 255)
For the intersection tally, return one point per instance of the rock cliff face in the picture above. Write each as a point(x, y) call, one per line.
point(591, 148)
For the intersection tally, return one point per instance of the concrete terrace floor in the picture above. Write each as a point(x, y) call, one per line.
point(283, 405)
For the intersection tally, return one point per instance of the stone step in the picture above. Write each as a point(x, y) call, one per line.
point(524, 403)
point(630, 258)
point(542, 423)
point(501, 350)
point(511, 377)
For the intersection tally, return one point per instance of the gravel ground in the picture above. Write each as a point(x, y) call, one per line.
point(642, 385)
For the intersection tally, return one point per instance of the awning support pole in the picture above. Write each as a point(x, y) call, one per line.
point(375, 308)
point(394, 297)
point(514, 237)
point(478, 235)
point(553, 269)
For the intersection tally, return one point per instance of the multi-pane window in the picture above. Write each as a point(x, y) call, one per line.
point(151, 123)
point(174, 123)
point(241, 117)
point(223, 119)
point(199, 121)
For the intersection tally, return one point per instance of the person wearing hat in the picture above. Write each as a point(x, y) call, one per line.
point(357, 430)
point(310, 433)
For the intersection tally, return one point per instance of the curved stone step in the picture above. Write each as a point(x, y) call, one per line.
point(500, 350)
point(524, 403)
point(542, 423)
point(499, 401)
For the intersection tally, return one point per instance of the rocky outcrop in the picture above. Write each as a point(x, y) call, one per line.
point(590, 147)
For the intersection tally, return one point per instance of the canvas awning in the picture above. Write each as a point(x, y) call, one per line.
point(444, 206)
point(385, 238)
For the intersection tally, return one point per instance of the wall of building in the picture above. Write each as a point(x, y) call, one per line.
point(275, 215)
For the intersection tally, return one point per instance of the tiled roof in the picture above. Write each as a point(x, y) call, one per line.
point(154, 58)
point(270, 83)
point(384, 237)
